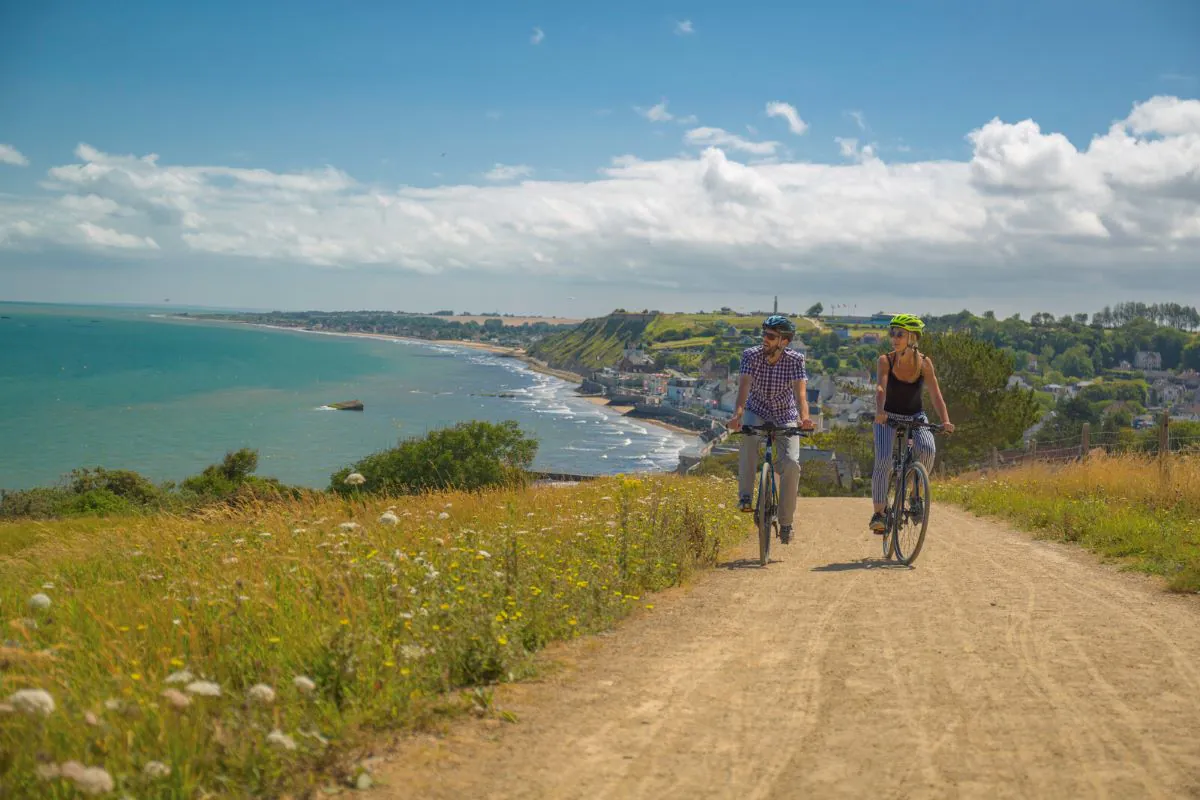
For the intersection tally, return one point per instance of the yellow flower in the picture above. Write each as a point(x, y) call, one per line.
point(572, 621)
point(389, 663)
point(135, 676)
point(650, 606)
point(405, 671)
point(445, 606)
point(124, 629)
point(176, 662)
point(502, 640)
point(345, 621)
point(273, 639)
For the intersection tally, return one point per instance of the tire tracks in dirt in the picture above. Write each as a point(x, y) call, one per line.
point(998, 667)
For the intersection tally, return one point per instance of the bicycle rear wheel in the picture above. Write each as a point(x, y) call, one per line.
point(890, 512)
point(913, 520)
point(766, 511)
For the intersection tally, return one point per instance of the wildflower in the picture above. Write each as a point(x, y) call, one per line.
point(203, 688)
point(443, 515)
point(389, 518)
point(355, 479)
point(32, 701)
point(349, 526)
point(484, 554)
point(39, 602)
point(281, 739)
point(262, 693)
point(156, 769)
point(182, 676)
point(112, 704)
point(91, 719)
point(304, 684)
point(89, 780)
point(49, 586)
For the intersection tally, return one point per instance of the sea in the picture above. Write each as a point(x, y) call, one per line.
point(126, 387)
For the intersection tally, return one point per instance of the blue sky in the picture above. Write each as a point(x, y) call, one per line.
point(380, 91)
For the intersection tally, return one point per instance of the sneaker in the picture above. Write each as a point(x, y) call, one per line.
point(745, 503)
point(785, 534)
point(877, 523)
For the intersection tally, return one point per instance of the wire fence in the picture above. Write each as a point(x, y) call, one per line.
point(1161, 442)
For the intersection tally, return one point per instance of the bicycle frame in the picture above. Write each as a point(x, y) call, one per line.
point(766, 508)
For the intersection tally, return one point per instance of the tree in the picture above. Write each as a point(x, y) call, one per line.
point(815, 310)
point(1190, 358)
point(468, 456)
point(1076, 362)
point(831, 361)
point(973, 375)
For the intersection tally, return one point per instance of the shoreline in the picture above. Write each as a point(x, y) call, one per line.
point(535, 365)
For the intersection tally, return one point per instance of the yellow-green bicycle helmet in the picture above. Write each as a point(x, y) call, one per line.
point(908, 322)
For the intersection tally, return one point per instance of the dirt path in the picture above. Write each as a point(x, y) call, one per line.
point(999, 667)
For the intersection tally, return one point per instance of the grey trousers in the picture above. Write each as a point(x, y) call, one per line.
point(787, 467)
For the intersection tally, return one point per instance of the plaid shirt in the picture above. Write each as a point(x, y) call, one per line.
point(771, 394)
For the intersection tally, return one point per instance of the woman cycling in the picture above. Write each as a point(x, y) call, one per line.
point(902, 376)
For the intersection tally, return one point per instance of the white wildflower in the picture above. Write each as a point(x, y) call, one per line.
point(355, 479)
point(203, 688)
point(443, 515)
point(156, 769)
point(89, 780)
point(412, 652)
point(182, 676)
point(176, 698)
point(32, 701)
point(113, 704)
point(39, 602)
point(262, 693)
point(91, 719)
point(231, 560)
point(349, 526)
point(389, 518)
point(281, 739)
point(264, 535)
point(47, 772)
point(485, 554)
point(304, 684)
point(47, 586)
point(298, 531)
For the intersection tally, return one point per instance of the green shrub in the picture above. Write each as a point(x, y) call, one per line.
point(468, 456)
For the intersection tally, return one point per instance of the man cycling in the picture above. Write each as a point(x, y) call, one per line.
point(773, 389)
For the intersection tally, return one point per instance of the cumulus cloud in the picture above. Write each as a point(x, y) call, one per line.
point(1027, 209)
point(10, 155)
point(656, 113)
point(537, 36)
point(684, 27)
point(789, 113)
point(507, 172)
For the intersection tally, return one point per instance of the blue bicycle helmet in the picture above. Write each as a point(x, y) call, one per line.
point(780, 323)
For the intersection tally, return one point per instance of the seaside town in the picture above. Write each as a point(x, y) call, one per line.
point(1121, 368)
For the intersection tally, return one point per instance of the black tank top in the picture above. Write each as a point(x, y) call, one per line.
point(903, 397)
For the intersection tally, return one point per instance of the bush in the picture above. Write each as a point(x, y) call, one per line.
point(39, 503)
point(121, 483)
point(468, 456)
point(222, 480)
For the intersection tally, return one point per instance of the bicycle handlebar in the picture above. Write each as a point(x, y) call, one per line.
point(761, 429)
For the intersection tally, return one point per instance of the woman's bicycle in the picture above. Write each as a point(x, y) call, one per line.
point(766, 508)
point(906, 514)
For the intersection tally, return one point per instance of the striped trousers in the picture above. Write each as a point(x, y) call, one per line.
point(923, 447)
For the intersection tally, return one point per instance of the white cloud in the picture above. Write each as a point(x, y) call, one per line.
point(1028, 213)
point(717, 137)
point(107, 237)
point(537, 37)
point(788, 112)
point(10, 155)
point(507, 172)
point(858, 118)
point(656, 113)
point(684, 27)
point(849, 149)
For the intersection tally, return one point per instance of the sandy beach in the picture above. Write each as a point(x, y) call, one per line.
point(624, 411)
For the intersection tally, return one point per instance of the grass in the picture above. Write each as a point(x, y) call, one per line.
point(695, 341)
point(1122, 507)
point(694, 323)
point(393, 623)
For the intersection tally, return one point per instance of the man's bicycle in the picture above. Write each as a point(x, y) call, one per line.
point(766, 507)
point(906, 514)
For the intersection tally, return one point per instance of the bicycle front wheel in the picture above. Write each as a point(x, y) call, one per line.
point(766, 512)
point(913, 518)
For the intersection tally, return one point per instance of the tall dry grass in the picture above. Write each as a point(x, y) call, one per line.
point(242, 654)
point(1132, 507)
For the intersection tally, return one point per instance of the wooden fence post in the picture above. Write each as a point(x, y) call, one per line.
point(1086, 441)
point(1164, 444)
point(995, 459)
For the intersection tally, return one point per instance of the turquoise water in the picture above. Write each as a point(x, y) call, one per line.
point(129, 388)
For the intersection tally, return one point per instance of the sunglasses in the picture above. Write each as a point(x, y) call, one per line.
point(770, 335)
point(897, 333)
